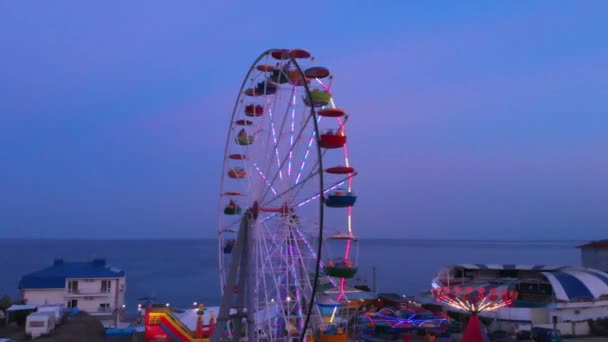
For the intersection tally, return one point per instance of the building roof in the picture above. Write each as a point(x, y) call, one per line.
point(578, 283)
point(508, 267)
point(54, 277)
point(595, 244)
point(19, 307)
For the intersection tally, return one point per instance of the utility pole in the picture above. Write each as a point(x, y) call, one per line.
point(375, 290)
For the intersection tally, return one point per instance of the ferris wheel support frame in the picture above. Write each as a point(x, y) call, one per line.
point(239, 262)
point(241, 268)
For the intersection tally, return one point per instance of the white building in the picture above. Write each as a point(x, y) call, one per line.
point(595, 255)
point(92, 286)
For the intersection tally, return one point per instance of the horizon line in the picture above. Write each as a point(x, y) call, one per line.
point(204, 238)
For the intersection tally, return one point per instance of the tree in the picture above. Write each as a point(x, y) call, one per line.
point(5, 302)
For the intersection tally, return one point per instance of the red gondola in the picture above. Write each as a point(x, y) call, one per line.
point(280, 54)
point(299, 53)
point(237, 172)
point(341, 170)
point(330, 139)
point(265, 67)
point(317, 72)
point(244, 122)
point(254, 110)
point(296, 78)
point(237, 156)
point(332, 112)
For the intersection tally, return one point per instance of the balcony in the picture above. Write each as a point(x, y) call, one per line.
point(88, 292)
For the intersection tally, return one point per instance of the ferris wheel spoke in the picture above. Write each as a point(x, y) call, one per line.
point(285, 159)
point(306, 154)
point(277, 140)
point(291, 189)
point(264, 178)
point(270, 253)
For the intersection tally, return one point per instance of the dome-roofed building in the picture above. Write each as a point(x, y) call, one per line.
point(545, 293)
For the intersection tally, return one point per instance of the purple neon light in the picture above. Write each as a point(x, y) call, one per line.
point(264, 178)
point(317, 196)
point(274, 137)
point(307, 152)
point(293, 122)
point(314, 254)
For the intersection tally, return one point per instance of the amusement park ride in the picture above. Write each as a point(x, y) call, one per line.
point(474, 301)
point(286, 203)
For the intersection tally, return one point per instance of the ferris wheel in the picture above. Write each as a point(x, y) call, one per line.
point(285, 222)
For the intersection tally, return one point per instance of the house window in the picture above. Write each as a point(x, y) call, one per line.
point(104, 307)
point(106, 285)
point(73, 286)
point(73, 303)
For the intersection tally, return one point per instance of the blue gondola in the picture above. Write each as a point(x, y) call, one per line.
point(340, 199)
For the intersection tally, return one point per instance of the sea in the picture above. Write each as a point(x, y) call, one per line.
point(181, 272)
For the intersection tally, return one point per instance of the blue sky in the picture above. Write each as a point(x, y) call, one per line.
point(477, 120)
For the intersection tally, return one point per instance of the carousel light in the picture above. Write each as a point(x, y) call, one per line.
point(167, 305)
point(194, 303)
point(484, 303)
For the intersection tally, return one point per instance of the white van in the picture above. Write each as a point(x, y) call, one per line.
point(58, 310)
point(39, 323)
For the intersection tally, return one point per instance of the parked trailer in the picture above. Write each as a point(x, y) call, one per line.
point(39, 323)
point(58, 310)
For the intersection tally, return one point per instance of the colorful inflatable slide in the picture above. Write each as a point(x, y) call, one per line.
point(164, 323)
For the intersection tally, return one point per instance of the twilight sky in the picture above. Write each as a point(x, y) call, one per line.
point(477, 120)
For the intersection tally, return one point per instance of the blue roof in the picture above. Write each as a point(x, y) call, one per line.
point(578, 283)
point(54, 277)
point(506, 267)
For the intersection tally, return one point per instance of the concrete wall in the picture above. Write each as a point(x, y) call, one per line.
point(44, 296)
point(573, 313)
point(595, 258)
point(90, 296)
point(535, 315)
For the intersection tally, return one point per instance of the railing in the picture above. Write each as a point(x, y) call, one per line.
point(105, 310)
point(88, 292)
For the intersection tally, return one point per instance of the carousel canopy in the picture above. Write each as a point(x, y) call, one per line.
point(508, 267)
point(573, 283)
